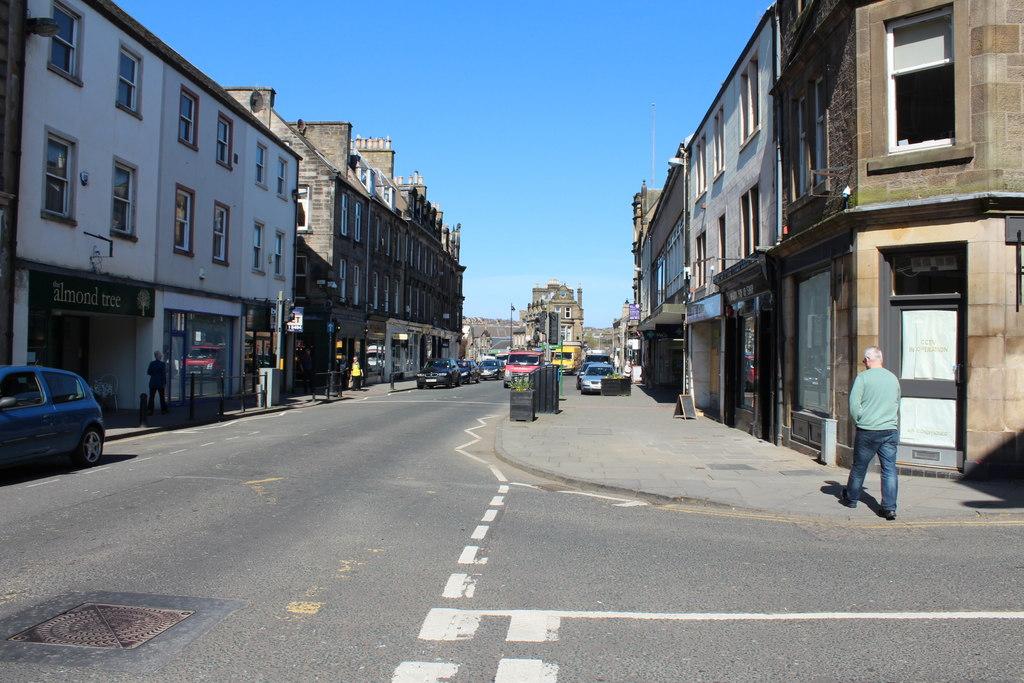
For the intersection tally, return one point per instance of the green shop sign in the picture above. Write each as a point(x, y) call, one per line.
point(49, 291)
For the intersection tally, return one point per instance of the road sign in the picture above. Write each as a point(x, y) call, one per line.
point(295, 324)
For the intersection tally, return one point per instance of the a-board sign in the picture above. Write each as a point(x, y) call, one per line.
point(685, 408)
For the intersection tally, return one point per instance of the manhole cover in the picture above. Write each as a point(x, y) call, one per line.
point(93, 624)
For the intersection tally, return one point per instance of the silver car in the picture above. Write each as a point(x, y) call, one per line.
point(590, 379)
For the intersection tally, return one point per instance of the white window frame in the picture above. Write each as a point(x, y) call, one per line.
point(189, 121)
point(890, 30)
point(69, 43)
point(343, 279)
point(258, 230)
point(59, 178)
point(719, 141)
point(750, 104)
point(278, 255)
point(221, 226)
point(376, 290)
point(820, 158)
point(356, 272)
point(387, 294)
point(302, 209)
point(750, 220)
point(261, 164)
point(358, 236)
point(225, 140)
point(126, 202)
point(282, 176)
point(129, 85)
point(183, 222)
point(700, 162)
point(344, 215)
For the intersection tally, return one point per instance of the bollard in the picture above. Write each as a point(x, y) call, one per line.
point(143, 410)
point(392, 382)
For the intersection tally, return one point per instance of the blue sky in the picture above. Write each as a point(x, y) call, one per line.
point(531, 122)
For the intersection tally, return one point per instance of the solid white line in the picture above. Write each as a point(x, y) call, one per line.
point(597, 495)
point(93, 470)
point(459, 586)
point(480, 532)
point(468, 555)
point(489, 516)
point(526, 671)
point(204, 445)
point(529, 486)
point(539, 626)
point(41, 483)
point(424, 672)
point(497, 474)
point(148, 457)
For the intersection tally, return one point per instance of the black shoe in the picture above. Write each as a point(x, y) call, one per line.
point(843, 500)
point(887, 514)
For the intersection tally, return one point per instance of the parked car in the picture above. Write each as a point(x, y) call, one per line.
point(439, 371)
point(521, 363)
point(46, 411)
point(583, 371)
point(491, 368)
point(591, 379)
point(205, 359)
point(470, 371)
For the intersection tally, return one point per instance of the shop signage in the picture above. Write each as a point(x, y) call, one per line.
point(705, 309)
point(65, 292)
point(295, 324)
point(634, 311)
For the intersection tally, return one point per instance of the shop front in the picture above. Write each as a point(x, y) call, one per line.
point(704, 332)
point(200, 347)
point(96, 328)
point(748, 361)
point(664, 341)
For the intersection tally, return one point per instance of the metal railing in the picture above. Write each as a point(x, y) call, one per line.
point(332, 386)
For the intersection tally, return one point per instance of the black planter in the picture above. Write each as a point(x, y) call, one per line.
point(522, 406)
point(616, 387)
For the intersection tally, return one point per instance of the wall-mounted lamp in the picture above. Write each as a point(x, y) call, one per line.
point(676, 161)
point(45, 27)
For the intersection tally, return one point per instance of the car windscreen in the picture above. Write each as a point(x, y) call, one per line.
point(599, 371)
point(464, 364)
point(490, 364)
point(436, 365)
point(524, 360)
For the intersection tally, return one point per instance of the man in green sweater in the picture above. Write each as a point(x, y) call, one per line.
point(874, 409)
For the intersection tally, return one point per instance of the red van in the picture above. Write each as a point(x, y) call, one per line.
point(521, 363)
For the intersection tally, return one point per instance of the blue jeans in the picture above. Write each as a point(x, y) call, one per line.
point(866, 445)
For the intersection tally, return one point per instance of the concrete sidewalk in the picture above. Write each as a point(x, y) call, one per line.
point(633, 445)
point(123, 423)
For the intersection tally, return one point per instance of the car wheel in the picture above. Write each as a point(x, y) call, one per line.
point(89, 449)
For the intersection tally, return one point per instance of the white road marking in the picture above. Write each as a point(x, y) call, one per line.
point(503, 489)
point(630, 504)
point(177, 451)
point(497, 474)
point(480, 532)
point(538, 626)
point(598, 495)
point(459, 586)
point(94, 470)
point(148, 457)
point(204, 445)
point(489, 516)
point(528, 486)
point(41, 483)
point(497, 501)
point(525, 671)
point(424, 672)
point(468, 555)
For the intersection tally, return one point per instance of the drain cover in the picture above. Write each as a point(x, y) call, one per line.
point(91, 624)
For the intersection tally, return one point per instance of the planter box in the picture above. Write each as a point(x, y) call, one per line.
point(616, 387)
point(522, 406)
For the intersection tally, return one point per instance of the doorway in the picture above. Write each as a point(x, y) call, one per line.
point(924, 309)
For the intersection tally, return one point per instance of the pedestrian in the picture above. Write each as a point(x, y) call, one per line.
point(157, 372)
point(874, 409)
point(306, 364)
point(357, 374)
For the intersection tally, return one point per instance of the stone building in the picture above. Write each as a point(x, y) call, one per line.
point(554, 315)
point(903, 167)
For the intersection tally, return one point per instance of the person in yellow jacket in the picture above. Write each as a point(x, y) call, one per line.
point(357, 374)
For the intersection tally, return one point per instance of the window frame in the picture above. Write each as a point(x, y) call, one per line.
point(343, 279)
point(128, 202)
point(73, 72)
point(750, 104)
point(261, 165)
point(192, 140)
point(282, 177)
point(67, 211)
point(344, 215)
point(135, 86)
point(358, 230)
point(302, 208)
point(891, 26)
point(224, 146)
point(719, 142)
point(750, 220)
point(221, 209)
point(278, 255)
point(188, 248)
point(258, 233)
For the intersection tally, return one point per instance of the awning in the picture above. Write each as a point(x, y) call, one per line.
point(666, 314)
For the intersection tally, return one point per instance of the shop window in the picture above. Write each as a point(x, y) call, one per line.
point(928, 274)
point(748, 369)
point(813, 353)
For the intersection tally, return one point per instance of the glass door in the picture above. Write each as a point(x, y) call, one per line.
point(923, 346)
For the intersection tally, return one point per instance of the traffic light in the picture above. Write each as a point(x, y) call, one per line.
point(289, 310)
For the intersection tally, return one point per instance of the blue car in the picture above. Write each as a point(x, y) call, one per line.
point(590, 379)
point(46, 411)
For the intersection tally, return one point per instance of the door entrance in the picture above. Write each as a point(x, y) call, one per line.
point(922, 337)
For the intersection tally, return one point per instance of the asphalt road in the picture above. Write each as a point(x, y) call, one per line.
point(380, 540)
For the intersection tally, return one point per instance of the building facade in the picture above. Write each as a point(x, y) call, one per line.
point(141, 223)
point(554, 315)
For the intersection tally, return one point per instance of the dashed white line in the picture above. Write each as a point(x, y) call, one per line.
point(204, 445)
point(503, 488)
point(468, 555)
point(526, 671)
point(424, 672)
point(489, 516)
point(497, 501)
point(459, 586)
point(42, 483)
point(480, 532)
point(181, 450)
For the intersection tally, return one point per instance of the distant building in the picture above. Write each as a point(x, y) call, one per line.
point(554, 315)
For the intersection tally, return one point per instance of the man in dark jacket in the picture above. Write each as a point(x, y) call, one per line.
point(157, 381)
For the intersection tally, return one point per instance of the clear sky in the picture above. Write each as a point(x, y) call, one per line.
point(530, 121)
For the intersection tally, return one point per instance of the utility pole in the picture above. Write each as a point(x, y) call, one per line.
point(280, 330)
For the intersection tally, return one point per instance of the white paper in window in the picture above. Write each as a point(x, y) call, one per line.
point(929, 345)
point(928, 421)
